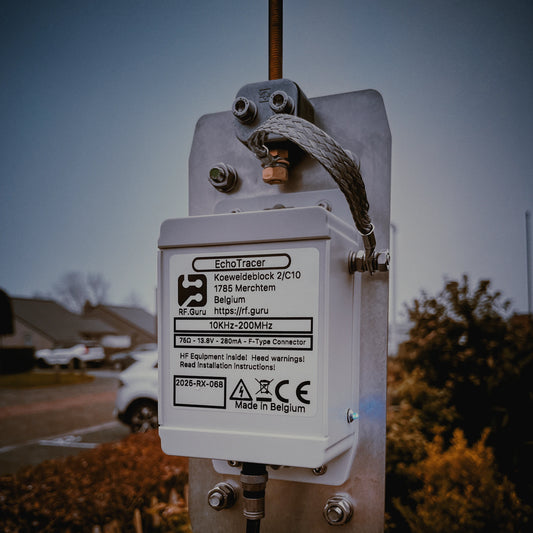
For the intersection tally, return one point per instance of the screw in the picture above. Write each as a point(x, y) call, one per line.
point(244, 110)
point(281, 102)
point(325, 204)
point(221, 496)
point(235, 464)
point(338, 511)
point(351, 416)
point(320, 470)
point(223, 177)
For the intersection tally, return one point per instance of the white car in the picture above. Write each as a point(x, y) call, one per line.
point(123, 360)
point(136, 403)
point(74, 356)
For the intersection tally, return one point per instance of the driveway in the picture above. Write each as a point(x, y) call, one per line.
point(48, 422)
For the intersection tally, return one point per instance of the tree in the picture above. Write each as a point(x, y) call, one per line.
point(417, 413)
point(459, 339)
point(74, 289)
point(464, 342)
point(461, 490)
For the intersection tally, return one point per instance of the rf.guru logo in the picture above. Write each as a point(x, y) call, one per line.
point(192, 290)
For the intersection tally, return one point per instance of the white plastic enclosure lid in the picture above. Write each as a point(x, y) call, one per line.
point(202, 410)
point(253, 227)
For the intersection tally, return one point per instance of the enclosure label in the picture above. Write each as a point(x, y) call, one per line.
point(244, 331)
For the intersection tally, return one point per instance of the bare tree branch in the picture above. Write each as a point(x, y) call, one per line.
point(74, 289)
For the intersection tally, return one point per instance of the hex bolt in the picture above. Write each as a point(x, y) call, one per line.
point(338, 511)
point(222, 496)
point(244, 110)
point(281, 102)
point(223, 177)
point(380, 261)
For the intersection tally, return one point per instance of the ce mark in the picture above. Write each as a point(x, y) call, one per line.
point(301, 391)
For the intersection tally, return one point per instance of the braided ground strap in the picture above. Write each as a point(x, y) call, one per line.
point(319, 145)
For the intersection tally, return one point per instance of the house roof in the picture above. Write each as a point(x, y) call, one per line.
point(55, 322)
point(134, 316)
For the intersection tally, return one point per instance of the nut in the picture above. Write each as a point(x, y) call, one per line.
point(338, 511)
point(275, 175)
point(383, 261)
point(280, 173)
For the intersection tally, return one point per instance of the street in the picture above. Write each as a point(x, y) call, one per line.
point(51, 422)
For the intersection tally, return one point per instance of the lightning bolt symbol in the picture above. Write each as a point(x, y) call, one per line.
point(241, 391)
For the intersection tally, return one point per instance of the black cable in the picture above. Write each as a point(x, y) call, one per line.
point(253, 526)
point(254, 478)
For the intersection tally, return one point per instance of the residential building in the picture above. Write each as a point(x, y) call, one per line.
point(43, 323)
point(134, 322)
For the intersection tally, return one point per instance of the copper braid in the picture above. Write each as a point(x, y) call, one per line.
point(318, 144)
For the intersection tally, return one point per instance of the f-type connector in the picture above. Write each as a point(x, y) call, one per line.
point(254, 478)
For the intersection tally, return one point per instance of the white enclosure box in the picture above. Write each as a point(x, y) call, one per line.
point(258, 324)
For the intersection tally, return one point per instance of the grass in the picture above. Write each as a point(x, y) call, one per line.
point(29, 380)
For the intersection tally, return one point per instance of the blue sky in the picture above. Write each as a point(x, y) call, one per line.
point(99, 99)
